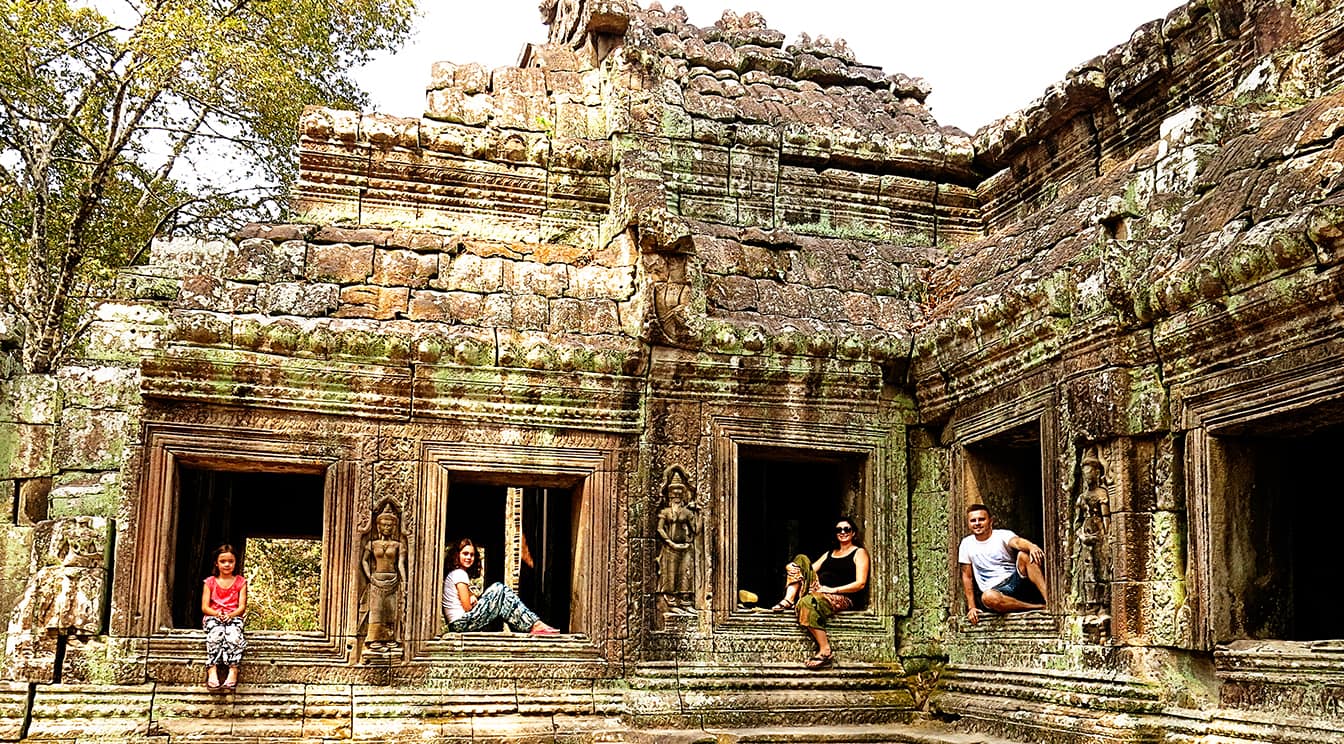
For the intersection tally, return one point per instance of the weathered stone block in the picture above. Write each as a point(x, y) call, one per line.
point(339, 263)
point(30, 399)
point(404, 268)
point(91, 440)
point(261, 260)
point(600, 282)
point(545, 280)
point(785, 300)
point(389, 131)
point(584, 316)
point(455, 106)
point(75, 493)
point(367, 301)
point(360, 236)
point(470, 273)
point(732, 293)
point(191, 255)
point(200, 292)
point(99, 387)
point(26, 450)
point(305, 299)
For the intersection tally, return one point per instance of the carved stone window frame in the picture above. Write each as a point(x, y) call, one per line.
point(1214, 407)
point(144, 562)
point(882, 506)
point(1035, 409)
point(591, 471)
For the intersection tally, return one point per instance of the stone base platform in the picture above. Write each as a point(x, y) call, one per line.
point(657, 703)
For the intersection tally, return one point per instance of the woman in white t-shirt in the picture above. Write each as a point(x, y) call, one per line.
point(465, 612)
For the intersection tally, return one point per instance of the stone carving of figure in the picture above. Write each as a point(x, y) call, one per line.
point(384, 566)
point(678, 526)
point(64, 596)
point(1092, 570)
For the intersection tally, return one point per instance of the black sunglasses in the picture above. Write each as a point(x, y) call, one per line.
point(843, 530)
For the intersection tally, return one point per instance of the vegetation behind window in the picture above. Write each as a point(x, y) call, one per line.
point(284, 578)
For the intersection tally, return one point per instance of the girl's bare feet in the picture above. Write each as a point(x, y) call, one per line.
point(231, 681)
point(212, 678)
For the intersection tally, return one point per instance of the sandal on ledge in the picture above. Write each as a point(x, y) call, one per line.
point(782, 605)
point(820, 661)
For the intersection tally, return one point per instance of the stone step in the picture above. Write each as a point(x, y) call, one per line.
point(922, 732)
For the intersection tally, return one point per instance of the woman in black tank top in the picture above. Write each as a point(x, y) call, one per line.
point(836, 582)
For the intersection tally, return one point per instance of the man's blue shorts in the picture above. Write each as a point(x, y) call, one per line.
point(1016, 586)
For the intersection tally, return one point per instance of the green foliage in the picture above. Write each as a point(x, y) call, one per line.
point(284, 583)
point(125, 119)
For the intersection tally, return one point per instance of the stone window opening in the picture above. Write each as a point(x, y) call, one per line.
point(526, 534)
point(569, 487)
point(1004, 473)
point(787, 503)
point(767, 472)
point(1006, 469)
point(307, 487)
point(235, 507)
point(1272, 483)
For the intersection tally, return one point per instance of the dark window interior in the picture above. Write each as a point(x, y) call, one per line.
point(478, 511)
point(1005, 475)
point(216, 507)
point(787, 504)
point(1275, 574)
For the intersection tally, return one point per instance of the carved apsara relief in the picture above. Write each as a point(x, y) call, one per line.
point(679, 528)
point(383, 568)
point(1091, 578)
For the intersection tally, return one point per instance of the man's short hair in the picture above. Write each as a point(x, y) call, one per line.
point(978, 507)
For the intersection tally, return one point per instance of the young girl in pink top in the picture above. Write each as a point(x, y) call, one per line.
point(224, 602)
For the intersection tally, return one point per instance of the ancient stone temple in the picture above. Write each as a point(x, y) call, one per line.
point(643, 316)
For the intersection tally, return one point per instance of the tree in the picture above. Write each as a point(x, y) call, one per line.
point(110, 108)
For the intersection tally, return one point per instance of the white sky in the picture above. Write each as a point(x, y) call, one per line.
point(984, 58)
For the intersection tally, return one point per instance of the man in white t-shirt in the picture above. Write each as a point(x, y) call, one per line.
point(999, 570)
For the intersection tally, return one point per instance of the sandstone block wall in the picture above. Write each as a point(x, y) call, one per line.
point(654, 246)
